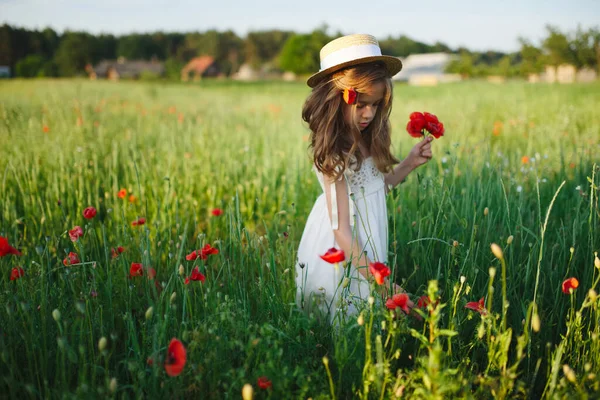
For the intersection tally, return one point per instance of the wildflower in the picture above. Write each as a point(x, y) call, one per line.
point(16, 273)
point(176, 358)
point(136, 269)
point(203, 253)
point(350, 96)
point(216, 212)
point(115, 252)
point(390, 304)
point(139, 221)
point(6, 249)
point(132, 198)
point(380, 271)
point(569, 285)
point(75, 233)
point(93, 293)
point(478, 306)
point(403, 301)
point(46, 129)
point(72, 258)
point(333, 255)
point(195, 276)
point(89, 213)
point(418, 122)
point(264, 382)
point(122, 193)
point(524, 160)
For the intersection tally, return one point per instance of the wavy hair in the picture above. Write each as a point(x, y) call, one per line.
point(334, 143)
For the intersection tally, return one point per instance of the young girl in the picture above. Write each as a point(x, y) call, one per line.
point(348, 115)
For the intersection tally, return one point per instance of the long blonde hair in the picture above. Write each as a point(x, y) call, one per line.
point(333, 149)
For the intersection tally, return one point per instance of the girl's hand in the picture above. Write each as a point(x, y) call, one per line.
point(421, 152)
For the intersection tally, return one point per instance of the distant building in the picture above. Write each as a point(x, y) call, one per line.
point(246, 73)
point(200, 67)
point(426, 69)
point(4, 71)
point(123, 69)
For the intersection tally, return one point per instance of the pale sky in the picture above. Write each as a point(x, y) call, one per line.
point(476, 24)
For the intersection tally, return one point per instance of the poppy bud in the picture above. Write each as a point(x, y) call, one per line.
point(56, 315)
point(181, 270)
point(536, 322)
point(102, 344)
point(247, 392)
point(360, 320)
point(497, 251)
point(113, 385)
point(486, 211)
point(597, 262)
point(510, 239)
point(149, 313)
point(569, 373)
point(173, 297)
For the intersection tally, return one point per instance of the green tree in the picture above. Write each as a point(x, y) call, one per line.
point(74, 52)
point(30, 66)
point(558, 48)
point(531, 58)
point(300, 54)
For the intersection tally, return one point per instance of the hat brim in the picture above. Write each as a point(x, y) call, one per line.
point(392, 64)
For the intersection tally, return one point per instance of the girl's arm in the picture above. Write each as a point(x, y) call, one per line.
point(419, 155)
point(343, 235)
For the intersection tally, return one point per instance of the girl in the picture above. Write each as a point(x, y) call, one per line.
point(348, 115)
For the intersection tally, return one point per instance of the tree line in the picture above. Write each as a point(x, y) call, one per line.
point(46, 53)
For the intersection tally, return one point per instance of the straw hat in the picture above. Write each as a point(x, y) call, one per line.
point(350, 50)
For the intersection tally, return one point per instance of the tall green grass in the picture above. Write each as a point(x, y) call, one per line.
point(518, 161)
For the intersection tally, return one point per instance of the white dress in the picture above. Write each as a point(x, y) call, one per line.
point(318, 283)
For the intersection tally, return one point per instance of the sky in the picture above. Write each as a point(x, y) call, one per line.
point(475, 24)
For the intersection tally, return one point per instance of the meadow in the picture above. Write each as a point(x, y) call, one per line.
point(171, 169)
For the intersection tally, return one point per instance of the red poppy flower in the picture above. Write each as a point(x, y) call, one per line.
point(117, 251)
point(570, 284)
point(136, 269)
point(333, 255)
point(75, 233)
point(192, 256)
point(187, 281)
point(390, 304)
point(207, 250)
point(16, 273)
point(89, 213)
point(403, 301)
point(350, 96)
point(264, 382)
point(176, 358)
point(6, 249)
point(139, 221)
point(216, 212)
point(424, 301)
point(478, 306)
point(151, 272)
point(433, 125)
point(380, 271)
point(72, 258)
point(122, 193)
point(416, 124)
point(195, 276)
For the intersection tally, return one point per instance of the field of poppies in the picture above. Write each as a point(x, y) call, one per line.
point(148, 234)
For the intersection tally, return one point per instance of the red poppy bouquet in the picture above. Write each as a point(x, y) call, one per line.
point(420, 123)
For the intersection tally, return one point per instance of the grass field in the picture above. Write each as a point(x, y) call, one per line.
point(517, 167)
